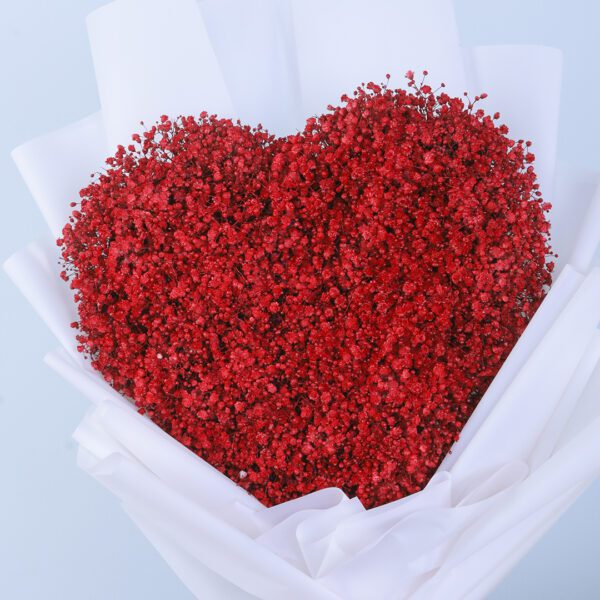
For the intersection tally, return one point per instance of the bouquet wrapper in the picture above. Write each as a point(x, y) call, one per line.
point(533, 443)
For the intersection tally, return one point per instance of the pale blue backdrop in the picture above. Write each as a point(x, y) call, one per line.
point(62, 537)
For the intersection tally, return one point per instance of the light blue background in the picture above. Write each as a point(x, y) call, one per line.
point(61, 535)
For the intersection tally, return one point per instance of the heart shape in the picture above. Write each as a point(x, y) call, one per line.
point(324, 309)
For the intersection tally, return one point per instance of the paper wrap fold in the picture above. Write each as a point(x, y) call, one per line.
point(533, 443)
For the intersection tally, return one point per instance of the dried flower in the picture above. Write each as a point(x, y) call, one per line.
point(324, 309)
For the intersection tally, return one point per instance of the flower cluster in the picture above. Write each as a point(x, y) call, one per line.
point(324, 309)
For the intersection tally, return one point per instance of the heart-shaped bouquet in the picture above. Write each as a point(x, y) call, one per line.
point(327, 356)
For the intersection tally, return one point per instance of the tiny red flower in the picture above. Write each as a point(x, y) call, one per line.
point(324, 309)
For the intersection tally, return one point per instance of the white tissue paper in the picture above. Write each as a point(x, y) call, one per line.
point(513, 471)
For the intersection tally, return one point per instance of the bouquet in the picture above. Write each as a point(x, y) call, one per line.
point(331, 348)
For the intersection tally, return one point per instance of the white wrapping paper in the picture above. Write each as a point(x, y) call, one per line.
point(258, 62)
point(342, 43)
point(153, 58)
point(56, 166)
point(523, 83)
point(533, 443)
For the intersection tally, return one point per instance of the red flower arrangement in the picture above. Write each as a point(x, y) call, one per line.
point(324, 309)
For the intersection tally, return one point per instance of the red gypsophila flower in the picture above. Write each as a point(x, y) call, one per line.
point(324, 309)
